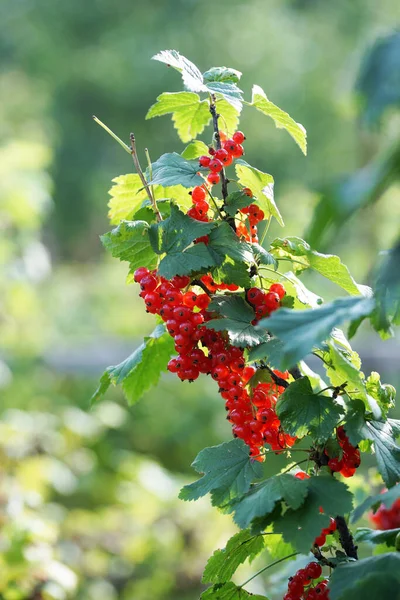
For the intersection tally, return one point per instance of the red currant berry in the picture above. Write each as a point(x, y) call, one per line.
point(255, 296)
point(202, 301)
point(238, 137)
point(222, 155)
point(320, 540)
point(238, 152)
point(198, 194)
point(204, 161)
point(302, 475)
point(213, 178)
point(335, 464)
point(278, 289)
point(230, 146)
point(313, 570)
point(215, 165)
point(296, 587)
point(272, 301)
point(140, 273)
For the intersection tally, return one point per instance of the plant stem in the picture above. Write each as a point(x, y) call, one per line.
point(224, 183)
point(147, 153)
point(276, 562)
point(265, 232)
point(346, 539)
point(295, 372)
point(113, 135)
point(142, 177)
point(276, 272)
point(276, 379)
point(201, 285)
point(295, 465)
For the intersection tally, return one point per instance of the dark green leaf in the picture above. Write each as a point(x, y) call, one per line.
point(189, 114)
point(262, 186)
point(263, 257)
point(229, 591)
point(195, 149)
point(373, 578)
point(192, 78)
point(301, 411)
point(328, 265)
point(387, 498)
point(223, 241)
point(387, 293)
point(172, 169)
point(235, 201)
point(302, 330)
point(231, 271)
point(237, 316)
point(260, 500)
point(223, 563)
point(270, 352)
point(142, 369)
point(281, 118)
point(300, 527)
point(386, 449)
point(225, 467)
point(130, 241)
point(174, 237)
point(222, 74)
point(388, 536)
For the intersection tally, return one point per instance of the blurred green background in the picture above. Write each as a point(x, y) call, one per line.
point(88, 498)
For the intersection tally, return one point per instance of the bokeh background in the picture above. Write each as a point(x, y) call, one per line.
point(88, 497)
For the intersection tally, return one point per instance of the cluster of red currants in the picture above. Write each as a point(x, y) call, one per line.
point(254, 215)
point(387, 518)
point(202, 350)
point(218, 159)
point(301, 586)
point(351, 458)
point(263, 302)
point(321, 539)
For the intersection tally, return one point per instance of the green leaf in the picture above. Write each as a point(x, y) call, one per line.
point(223, 563)
point(300, 527)
point(262, 186)
point(261, 499)
point(384, 394)
point(301, 330)
point(229, 116)
point(387, 451)
point(142, 369)
point(328, 265)
point(231, 271)
point(387, 292)
point(172, 169)
point(223, 241)
point(237, 316)
point(382, 434)
point(195, 149)
point(225, 467)
point(372, 578)
point(127, 197)
point(281, 118)
point(235, 201)
point(263, 257)
point(192, 78)
point(189, 114)
point(229, 591)
point(342, 366)
point(387, 498)
point(229, 91)
point(373, 536)
point(130, 242)
point(276, 545)
point(270, 352)
point(301, 411)
point(174, 237)
point(222, 74)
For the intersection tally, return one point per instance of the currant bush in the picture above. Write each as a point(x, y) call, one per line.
point(195, 229)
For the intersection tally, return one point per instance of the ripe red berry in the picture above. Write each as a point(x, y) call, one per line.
point(238, 151)
point(230, 146)
point(248, 193)
point(215, 165)
point(278, 289)
point(198, 194)
point(140, 273)
point(222, 155)
point(204, 161)
point(213, 178)
point(302, 475)
point(296, 587)
point(202, 301)
point(255, 296)
point(238, 137)
point(272, 301)
point(320, 540)
point(313, 570)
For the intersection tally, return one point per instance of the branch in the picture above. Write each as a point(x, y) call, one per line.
point(276, 379)
point(142, 177)
point(346, 539)
point(321, 558)
point(215, 116)
point(203, 286)
point(295, 372)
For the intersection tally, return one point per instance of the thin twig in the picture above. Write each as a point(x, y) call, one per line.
point(203, 286)
point(142, 177)
point(276, 562)
point(113, 135)
point(224, 182)
point(278, 380)
point(321, 558)
point(150, 166)
point(295, 372)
